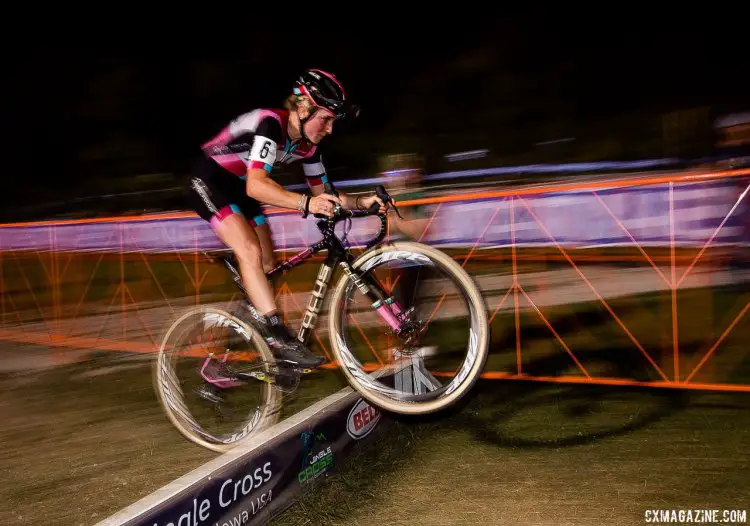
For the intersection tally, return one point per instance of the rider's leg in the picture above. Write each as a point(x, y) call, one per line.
point(235, 231)
point(212, 195)
point(266, 245)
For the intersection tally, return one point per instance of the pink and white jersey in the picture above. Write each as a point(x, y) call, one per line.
point(258, 139)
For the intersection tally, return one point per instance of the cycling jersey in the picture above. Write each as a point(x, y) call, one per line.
point(259, 139)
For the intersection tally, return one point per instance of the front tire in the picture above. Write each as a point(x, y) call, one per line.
point(478, 338)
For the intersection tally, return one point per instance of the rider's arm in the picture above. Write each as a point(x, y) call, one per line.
point(261, 158)
point(347, 201)
point(317, 181)
point(264, 189)
point(315, 173)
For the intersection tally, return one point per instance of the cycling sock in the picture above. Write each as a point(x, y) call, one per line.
point(276, 326)
point(273, 319)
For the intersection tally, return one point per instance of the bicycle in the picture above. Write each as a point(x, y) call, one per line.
point(414, 390)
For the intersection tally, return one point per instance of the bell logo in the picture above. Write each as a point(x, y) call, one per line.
point(362, 420)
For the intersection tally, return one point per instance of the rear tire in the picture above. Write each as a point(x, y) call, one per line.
point(170, 395)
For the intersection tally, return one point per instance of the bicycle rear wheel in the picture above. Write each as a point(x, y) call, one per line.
point(209, 362)
point(398, 379)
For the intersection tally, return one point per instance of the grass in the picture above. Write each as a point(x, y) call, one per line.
point(610, 345)
point(523, 453)
point(94, 428)
point(86, 440)
point(516, 452)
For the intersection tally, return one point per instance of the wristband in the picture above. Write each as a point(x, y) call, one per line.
point(307, 206)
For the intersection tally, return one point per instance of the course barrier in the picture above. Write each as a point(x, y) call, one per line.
point(115, 283)
point(664, 210)
point(257, 480)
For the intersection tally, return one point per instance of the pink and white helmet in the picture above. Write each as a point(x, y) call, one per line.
point(325, 91)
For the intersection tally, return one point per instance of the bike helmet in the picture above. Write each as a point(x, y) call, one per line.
point(325, 91)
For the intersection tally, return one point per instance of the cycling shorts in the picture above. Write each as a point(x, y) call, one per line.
point(215, 194)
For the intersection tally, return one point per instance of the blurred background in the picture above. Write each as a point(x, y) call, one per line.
point(108, 124)
point(626, 289)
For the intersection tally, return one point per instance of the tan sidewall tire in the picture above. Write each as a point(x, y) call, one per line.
point(271, 395)
point(477, 305)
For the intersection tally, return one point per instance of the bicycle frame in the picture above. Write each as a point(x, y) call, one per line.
point(385, 304)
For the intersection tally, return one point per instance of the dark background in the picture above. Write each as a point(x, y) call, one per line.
point(87, 117)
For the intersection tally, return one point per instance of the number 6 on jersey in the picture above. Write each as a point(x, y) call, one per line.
point(263, 150)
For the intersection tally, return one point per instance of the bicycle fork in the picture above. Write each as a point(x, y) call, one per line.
point(387, 307)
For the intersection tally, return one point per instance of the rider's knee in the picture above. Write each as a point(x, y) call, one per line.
point(250, 253)
point(268, 261)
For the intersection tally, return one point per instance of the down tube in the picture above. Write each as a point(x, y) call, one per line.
point(317, 299)
point(291, 262)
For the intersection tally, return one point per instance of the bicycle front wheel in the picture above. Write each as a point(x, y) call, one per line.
point(405, 374)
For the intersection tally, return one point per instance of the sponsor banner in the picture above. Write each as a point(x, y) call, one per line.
point(263, 482)
point(362, 419)
point(689, 213)
point(610, 217)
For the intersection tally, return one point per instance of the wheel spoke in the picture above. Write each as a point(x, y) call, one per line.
point(205, 394)
point(405, 385)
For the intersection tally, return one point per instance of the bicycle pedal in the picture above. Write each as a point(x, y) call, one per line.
point(294, 370)
point(256, 375)
point(285, 367)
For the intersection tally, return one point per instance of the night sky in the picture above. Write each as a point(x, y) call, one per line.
point(75, 110)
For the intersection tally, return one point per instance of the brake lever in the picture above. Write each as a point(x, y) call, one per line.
point(338, 211)
point(382, 193)
point(393, 204)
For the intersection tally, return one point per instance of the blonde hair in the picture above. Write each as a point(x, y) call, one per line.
point(294, 102)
